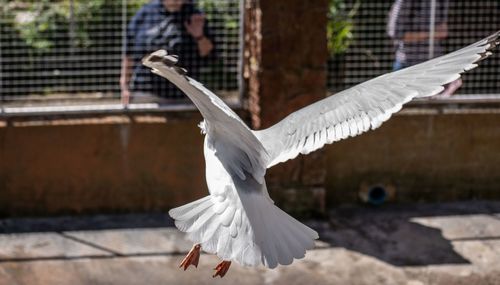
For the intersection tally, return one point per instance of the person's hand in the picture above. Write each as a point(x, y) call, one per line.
point(125, 96)
point(195, 26)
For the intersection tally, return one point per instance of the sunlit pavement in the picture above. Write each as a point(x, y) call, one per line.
point(453, 243)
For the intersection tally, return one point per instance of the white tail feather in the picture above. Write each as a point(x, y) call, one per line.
point(252, 233)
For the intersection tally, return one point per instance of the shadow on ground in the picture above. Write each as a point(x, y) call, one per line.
point(85, 223)
point(400, 235)
point(413, 235)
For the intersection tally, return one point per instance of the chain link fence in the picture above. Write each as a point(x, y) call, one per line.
point(58, 51)
point(365, 27)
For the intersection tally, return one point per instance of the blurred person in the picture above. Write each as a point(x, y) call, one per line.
point(174, 25)
point(408, 27)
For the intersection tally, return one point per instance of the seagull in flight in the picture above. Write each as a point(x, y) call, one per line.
point(238, 220)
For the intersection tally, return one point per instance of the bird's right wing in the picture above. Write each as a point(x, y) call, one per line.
point(367, 105)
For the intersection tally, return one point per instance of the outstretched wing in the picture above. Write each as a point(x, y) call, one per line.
point(244, 153)
point(367, 105)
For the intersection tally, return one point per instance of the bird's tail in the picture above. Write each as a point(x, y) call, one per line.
point(252, 232)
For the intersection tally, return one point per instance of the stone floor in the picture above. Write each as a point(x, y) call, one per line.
point(454, 243)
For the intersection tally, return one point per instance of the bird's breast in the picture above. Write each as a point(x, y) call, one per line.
point(218, 178)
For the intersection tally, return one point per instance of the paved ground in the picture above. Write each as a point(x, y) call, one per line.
point(456, 243)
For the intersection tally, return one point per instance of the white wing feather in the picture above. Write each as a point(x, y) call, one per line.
point(245, 152)
point(367, 105)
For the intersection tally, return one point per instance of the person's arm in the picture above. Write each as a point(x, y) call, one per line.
point(126, 73)
point(127, 59)
point(441, 28)
point(196, 29)
point(441, 32)
point(403, 15)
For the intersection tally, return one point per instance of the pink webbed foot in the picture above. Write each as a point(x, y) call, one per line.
point(192, 257)
point(221, 268)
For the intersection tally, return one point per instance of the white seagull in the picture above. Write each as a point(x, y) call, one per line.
point(238, 221)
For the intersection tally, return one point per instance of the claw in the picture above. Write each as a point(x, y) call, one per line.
point(192, 257)
point(221, 268)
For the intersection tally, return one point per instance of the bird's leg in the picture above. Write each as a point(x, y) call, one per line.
point(222, 268)
point(192, 257)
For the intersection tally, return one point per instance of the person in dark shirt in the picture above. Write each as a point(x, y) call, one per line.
point(174, 25)
point(409, 25)
point(409, 28)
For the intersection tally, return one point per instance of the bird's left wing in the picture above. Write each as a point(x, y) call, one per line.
point(244, 152)
point(367, 105)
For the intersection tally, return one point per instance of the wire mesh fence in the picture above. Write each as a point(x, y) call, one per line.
point(59, 51)
point(65, 50)
point(386, 35)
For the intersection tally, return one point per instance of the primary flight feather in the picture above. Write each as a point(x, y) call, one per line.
point(238, 221)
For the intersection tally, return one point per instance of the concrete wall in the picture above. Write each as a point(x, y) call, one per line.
point(152, 163)
point(426, 157)
point(110, 164)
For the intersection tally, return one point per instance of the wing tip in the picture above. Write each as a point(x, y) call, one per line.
point(491, 43)
point(493, 40)
point(162, 56)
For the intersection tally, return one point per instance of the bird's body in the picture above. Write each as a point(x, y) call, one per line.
point(238, 221)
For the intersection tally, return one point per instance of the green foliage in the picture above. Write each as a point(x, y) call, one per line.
point(214, 9)
point(339, 27)
point(40, 23)
point(222, 15)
